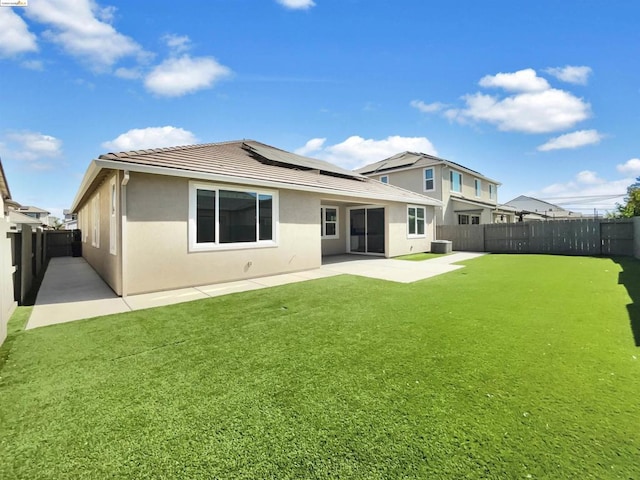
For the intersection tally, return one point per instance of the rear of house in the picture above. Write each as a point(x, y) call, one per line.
point(184, 216)
point(467, 196)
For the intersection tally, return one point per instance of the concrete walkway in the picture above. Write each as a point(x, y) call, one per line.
point(72, 290)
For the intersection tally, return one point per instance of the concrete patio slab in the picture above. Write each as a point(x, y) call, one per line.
point(72, 290)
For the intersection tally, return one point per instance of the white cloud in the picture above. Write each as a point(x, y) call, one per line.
point(15, 37)
point(571, 74)
point(36, 149)
point(34, 145)
point(151, 137)
point(178, 76)
point(297, 4)
point(311, 146)
point(530, 112)
point(585, 192)
point(177, 43)
point(33, 65)
point(572, 140)
point(427, 107)
point(588, 177)
point(521, 81)
point(630, 167)
point(356, 151)
point(82, 28)
point(128, 73)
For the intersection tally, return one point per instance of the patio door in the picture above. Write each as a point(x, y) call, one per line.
point(366, 230)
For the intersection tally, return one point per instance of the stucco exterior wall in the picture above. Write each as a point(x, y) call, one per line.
point(157, 239)
point(336, 246)
point(413, 179)
point(7, 303)
point(99, 257)
point(398, 241)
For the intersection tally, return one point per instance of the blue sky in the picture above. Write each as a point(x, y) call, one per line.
point(542, 96)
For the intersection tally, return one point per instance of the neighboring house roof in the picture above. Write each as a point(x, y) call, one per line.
point(408, 160)
point(30, 209)
point(21, 219)
point(527, 204)
point(4, 185)
point(251, 163)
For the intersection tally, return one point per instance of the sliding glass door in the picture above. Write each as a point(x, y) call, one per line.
point(366, 230)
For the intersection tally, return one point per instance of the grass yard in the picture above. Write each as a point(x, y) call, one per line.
point(513, 367)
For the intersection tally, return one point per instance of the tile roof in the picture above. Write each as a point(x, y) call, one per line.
point(256, 163)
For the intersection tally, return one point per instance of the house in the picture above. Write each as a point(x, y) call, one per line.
point(175, 217)
point(529, 208)
point(70, 221)
point(468, 197)
point(7, 302)
point(42, 216)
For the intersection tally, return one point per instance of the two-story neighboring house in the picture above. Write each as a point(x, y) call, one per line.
point(468, 197)
point(34, 212)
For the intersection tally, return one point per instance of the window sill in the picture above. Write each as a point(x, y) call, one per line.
point(230, 246)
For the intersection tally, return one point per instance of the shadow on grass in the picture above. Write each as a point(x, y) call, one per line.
point(630, 278)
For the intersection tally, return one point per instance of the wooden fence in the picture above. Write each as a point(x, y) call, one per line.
point(564, 237)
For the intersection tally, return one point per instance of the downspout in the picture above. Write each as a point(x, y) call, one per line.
point(123, 233)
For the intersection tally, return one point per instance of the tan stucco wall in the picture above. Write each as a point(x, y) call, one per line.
point(157, 242)
point(7, 303)
point(413, 179)
point(107, 265)
point(336, 246)
point(398, 242)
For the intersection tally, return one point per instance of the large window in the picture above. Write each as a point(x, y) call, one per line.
point(468, 219)
point(329, 222)
point(415, 221)
point(492, 191)
point(429, 183)
point(223, 217)
point(456, 181)
point(95, 221)
point(478, 185)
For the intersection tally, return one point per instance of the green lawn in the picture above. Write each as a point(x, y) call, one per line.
point(513, 367)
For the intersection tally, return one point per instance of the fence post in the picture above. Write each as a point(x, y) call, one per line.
point(636, 237)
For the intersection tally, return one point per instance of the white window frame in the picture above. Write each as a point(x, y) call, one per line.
point(216, 245)
point(478, 187)
point(323, 222)
point(384, 179)
point(472, 218)
point(492, 191)
point(113, 212)
point(451, 174)
point(424, 220)
point(85, 223)
point(425, 180)
point(464, 215)
point(95, 221)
